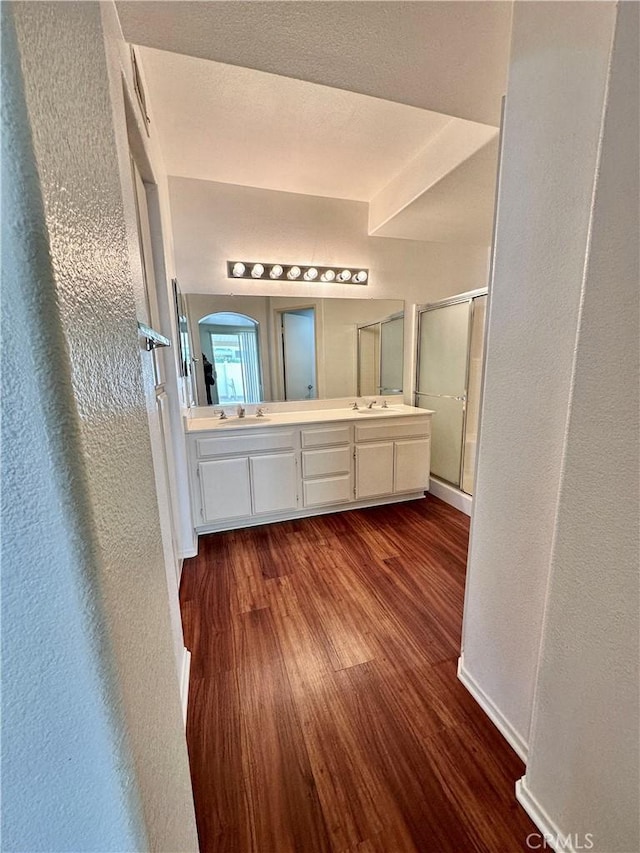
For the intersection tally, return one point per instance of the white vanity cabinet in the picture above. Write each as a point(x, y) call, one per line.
point(392, 458)
point(246, 475)
point(241, 475)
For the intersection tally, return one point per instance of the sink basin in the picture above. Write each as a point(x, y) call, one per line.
point(377, 411)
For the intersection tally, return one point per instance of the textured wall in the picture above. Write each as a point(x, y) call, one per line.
point(551, 135)
point(66, 780)
point(584, 762)
point(83, 169)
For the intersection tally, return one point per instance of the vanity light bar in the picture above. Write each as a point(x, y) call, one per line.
point(292, 272)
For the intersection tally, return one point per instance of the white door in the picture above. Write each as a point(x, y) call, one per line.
point(374, 469)
point(225, 489)
point(299, 354)
point(153, 372)
point(274, 482)
point(412, 460)
point(159, 420)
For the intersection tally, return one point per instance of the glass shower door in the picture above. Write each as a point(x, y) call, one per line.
point(391, 355)
point(442, 383)
point(369, 360)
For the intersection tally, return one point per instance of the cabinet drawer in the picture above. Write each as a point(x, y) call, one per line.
point(225, 445)
point(330, 490)
point(406, 429)
point(335, 460)
point(325, 436)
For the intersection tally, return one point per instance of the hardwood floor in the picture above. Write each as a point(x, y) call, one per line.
point(324, 709)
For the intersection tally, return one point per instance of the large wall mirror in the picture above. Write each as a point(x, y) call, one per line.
point(252, 349)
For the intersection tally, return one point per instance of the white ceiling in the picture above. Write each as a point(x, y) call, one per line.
point(447, 57)
point(219, 122)
point(371, 132)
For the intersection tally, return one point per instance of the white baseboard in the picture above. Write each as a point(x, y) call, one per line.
point(505, 728)
point(184, 683)
point(450, 495)
point(548, 830)
point(273, 518)
point(191, 550)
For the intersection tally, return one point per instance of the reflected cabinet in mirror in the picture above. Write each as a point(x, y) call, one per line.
point(253, 349)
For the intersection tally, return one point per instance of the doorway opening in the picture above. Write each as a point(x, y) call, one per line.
point(298, 330)
point(231, 358)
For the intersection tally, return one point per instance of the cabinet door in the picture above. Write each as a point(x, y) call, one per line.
point(412, 465)
point(224, 488)
point(274, 482)
point(374, 469)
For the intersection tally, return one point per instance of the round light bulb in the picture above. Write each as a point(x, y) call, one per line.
point(294, 272)
point(238, 270)
point(276, 271)
point(328, 275)
point(311, 274)
point(257, 271)
point(345, 275)
point(360, 276)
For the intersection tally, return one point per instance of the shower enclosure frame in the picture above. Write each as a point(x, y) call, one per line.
point(469, 296)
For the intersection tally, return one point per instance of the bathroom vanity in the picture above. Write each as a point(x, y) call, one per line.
point(289, 464)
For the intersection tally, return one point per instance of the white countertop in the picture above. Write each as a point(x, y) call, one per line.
point(398, 410)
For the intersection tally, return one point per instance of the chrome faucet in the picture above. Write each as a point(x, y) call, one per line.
point(260, 412)
point(240, 411)
point(384, 404)
point(221, 412)
point(371, 404)
point(354, 407)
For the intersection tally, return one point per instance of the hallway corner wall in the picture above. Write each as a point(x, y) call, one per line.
point(584, 760)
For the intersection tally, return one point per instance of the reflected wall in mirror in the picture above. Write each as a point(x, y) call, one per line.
point(250, 349)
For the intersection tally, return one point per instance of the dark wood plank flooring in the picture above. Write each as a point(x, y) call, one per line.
point(324, 709)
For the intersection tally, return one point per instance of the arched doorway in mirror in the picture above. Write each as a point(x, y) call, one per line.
point(230, 358)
